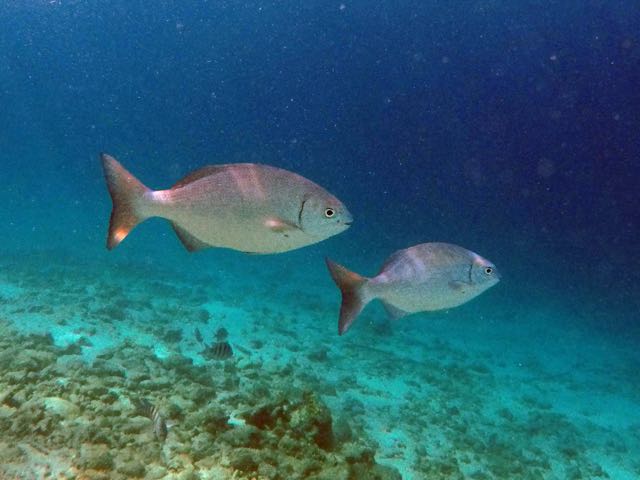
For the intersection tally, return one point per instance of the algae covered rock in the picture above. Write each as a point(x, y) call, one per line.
point(267, 415)
point(294, 439)
point(245, 459)
point(242, 436)
point(96, 457)
point(284, 435)
point(202, 446)
point(133, 469)
point(335, 472)
point(308, 418)
point(375, 472)
point(211, 419)
point(312, 418)
point(342, 431)
point(60, 407)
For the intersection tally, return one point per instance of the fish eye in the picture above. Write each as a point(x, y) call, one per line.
point(488, 270)
point(329, 212)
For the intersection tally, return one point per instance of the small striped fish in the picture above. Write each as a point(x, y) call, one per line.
point(146, 409)
point(218, 351)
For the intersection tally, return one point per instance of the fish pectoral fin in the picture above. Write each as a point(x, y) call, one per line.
point(279, 225)
point(458, 285)
point(394, 312)
point(191, 243)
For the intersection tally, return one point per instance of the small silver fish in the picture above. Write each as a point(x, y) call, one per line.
point(244, 206)
point(425, 277)
point(146, 409)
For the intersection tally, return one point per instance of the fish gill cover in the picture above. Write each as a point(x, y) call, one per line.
point(508, 128)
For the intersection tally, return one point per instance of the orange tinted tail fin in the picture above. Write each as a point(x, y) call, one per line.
point(350, 285)
point(126, 195)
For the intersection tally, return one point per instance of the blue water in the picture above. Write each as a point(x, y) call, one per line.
point(510, 128)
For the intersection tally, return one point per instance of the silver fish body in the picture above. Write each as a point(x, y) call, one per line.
point(248, 207)
point(425, 277)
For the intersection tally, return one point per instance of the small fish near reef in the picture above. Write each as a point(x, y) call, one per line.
point(218, 351)
point(248, 207)
point(425, 277)
point(146, 409)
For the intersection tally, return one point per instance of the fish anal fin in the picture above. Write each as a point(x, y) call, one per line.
point(394, 313)
point(191, 243)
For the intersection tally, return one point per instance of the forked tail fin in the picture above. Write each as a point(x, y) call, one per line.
point(126, 195)
point(353, 299)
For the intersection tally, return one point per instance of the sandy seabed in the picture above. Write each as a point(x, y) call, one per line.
point(81, 342)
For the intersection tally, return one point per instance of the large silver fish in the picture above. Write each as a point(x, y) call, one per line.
point(244, 206)
point(429, 276)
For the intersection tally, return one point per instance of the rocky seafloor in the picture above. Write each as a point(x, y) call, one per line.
point(63, 418)
point(81, 342)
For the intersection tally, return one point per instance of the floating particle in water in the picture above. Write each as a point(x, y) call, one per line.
point(546, 168)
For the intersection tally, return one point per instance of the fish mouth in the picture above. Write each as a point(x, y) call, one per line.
point(348, 223)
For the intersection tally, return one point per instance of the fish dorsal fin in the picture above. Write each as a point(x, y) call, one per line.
point(393, 258)
point(191, 243)
point(198, 174)
point(394, 312)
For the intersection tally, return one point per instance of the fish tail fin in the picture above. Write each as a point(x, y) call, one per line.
point(126, 195)
point(353, 298)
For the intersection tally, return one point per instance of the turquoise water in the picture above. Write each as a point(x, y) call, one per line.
point(477, 392)
point(509, 130)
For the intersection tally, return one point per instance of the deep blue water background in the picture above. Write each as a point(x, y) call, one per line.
point(511, 128)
